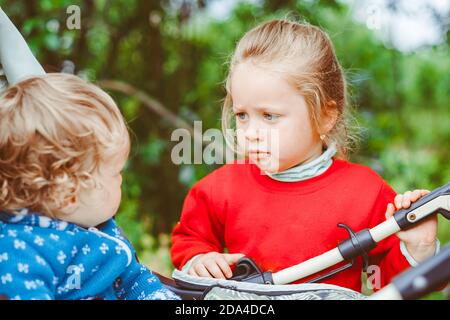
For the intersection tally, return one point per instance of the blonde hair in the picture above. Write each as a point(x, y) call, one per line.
point(55, 130)
point(305, 54)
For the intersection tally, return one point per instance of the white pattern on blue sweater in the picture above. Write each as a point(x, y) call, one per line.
point(43, 258)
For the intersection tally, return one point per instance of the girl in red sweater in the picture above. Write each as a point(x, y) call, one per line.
point(286, 98)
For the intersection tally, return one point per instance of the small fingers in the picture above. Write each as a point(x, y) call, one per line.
point(406, 201)
point(398, 201)
point(390, 210)
point(225, 267)
point(192, 272)
point(214, 265)
point(201, 270)
point(232, 258)
point(213, 269)
point(415, 195)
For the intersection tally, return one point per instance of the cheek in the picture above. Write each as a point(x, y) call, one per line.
point(118, 188)
point(303, 125)
point(115, 198)
point(293, 138)
point(114, 186)
point(285, 136)
point(240, 138)
point(118, 197)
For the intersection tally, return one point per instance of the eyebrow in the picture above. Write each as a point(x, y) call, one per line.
point(264, 108)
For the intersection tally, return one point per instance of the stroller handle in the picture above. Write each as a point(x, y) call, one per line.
point(437, 201)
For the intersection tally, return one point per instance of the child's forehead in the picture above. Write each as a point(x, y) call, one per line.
point(254, 86)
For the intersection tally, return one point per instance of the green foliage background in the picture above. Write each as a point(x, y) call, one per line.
point(177, 55)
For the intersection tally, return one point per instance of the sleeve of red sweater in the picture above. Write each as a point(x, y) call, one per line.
point(199, 229)
point(386, 255)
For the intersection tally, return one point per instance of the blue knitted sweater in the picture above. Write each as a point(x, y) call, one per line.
point(43, 258)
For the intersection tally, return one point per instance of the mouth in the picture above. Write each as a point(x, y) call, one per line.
point(259, 156)
point(258, 152)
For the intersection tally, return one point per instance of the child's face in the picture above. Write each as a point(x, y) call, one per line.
point(272, 119)
point(99, 204)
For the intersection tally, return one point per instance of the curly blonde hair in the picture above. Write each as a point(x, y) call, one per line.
point(55, 130)
point(305, 55)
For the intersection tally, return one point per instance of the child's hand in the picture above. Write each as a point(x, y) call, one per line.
point(214, 265)
point(420, 241)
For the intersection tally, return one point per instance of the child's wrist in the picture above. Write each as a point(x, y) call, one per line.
point(420, 251)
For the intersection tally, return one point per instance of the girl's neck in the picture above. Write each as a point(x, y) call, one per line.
point(318, 151)
point(309, 168)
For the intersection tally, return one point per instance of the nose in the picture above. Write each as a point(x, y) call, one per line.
point(252, 132)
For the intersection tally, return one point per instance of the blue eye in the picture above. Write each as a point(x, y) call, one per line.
point(270, 116)
point(241, 115)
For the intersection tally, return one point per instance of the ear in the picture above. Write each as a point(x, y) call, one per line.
point(329, 117)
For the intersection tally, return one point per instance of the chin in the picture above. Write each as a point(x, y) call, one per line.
point(268, 166)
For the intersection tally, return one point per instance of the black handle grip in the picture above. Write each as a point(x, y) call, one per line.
point(247, 270)
point(404, 221)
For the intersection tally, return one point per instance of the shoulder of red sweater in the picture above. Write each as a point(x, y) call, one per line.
point(364, 173)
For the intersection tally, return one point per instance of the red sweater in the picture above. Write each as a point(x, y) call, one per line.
point(281, 224)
